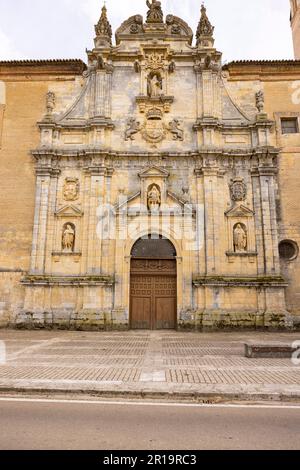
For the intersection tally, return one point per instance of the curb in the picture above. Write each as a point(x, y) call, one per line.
point(191, 397)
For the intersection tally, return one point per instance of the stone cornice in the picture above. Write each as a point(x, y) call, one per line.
point(49, 152)
point(76, 281)
point(223, 281)
point(104, 123)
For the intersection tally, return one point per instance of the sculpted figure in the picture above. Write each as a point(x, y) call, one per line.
point(133, 127)
point(174, 128)
point(154, 198)
point(50, 102)
point(68, 238)
point(155, 14)
point(260, 101)
point(239, 239)
point(154, 85)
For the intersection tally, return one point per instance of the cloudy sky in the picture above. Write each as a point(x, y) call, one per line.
point(245, 29)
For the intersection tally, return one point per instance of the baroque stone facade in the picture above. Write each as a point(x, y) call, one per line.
point(153, 137)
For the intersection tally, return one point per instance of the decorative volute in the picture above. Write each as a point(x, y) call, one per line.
point(103, 30)
point(205, 31)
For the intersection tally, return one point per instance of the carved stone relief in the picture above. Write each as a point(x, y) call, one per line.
point(133, 127)
point(238, 190)
point(174, 128)
point(71, 189)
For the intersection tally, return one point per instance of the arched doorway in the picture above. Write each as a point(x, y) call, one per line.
point(153, 284)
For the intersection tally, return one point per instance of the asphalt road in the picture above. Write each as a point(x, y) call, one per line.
point(118, 426)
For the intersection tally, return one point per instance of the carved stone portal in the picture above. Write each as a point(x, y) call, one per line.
point(71, 189)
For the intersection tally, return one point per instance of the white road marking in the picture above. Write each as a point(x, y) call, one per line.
point(138, 403)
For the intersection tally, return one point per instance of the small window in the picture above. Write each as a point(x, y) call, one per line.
point(288, 250)
point(289, 126)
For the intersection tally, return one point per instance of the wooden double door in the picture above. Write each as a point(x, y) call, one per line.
point(153, 294)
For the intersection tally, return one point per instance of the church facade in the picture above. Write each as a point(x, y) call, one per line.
point(154, 188)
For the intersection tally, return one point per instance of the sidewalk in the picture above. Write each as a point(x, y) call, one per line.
point(205, 367)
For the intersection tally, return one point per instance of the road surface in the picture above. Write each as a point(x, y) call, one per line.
point(62, 424)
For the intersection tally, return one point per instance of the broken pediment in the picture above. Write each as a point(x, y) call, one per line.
point(69, 212)
point(135, 28)
point(239, 211)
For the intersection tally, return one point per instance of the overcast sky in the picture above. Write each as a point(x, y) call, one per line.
point(37, 29)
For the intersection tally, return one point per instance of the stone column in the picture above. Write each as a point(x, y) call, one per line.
point(51, 219)
point(200, 222)
point(43, 179)
point(269, 220)
point(260, 245)
point(107, 243)
point(207, 94)
point(94, 240)
point(103, 93)
point(212, 220)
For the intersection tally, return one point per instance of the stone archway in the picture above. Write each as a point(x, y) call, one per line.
point(153, 284)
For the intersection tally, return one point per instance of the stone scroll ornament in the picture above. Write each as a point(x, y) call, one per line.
point(68, 238)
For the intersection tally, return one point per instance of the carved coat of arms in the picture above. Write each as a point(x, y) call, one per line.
point(154, 130)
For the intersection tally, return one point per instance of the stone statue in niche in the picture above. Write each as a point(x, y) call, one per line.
point(174, 128)
point(133, 127)
point(50, 103)
point(154, 85)
point(71, 189)
point(238, 190)
point(260, 101)
point(68, 238)
point(154, 198)
point(239, 239)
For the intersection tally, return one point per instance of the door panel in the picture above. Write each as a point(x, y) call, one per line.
point(153, 294)
point(141, 313)
point(165, 313)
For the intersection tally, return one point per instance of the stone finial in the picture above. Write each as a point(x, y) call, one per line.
point(155, 13)
point(103, 28)
point(50, 103)
point(260, 101)
point(205, 30)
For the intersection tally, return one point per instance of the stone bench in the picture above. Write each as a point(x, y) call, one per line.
point(269, 350)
